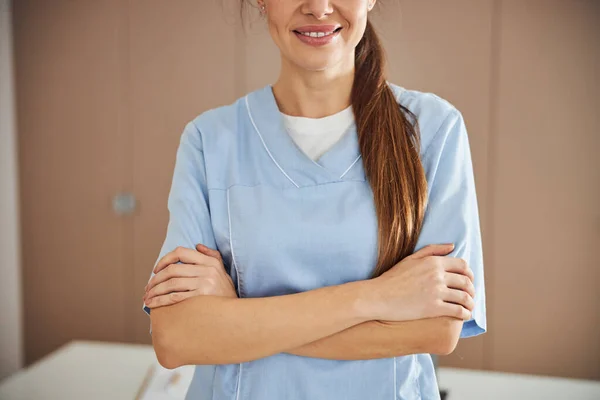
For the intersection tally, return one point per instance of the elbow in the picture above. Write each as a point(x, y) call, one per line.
point(169, 342)
point(165, 355)
point(447, 339)
point(163, 343)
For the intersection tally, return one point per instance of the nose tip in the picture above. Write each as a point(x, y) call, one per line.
point(319, 9)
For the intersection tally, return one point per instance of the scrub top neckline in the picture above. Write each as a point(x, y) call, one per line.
point(297, 167)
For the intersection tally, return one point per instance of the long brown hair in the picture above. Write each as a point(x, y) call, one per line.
point(389, 142)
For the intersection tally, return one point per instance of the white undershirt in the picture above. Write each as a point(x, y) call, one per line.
point(315, 136)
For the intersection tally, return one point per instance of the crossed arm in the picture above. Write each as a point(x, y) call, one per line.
point(380, 339)
point(332, 322)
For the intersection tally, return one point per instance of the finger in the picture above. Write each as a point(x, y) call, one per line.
point(459, 266)
point(173, 271)
point(460, 282)
point(215, 257)
point(459, 297)
point(455, 310)
point(433, 250)
point(208, 251)
point(180, 254)
point(172, 285)
point(169, 299)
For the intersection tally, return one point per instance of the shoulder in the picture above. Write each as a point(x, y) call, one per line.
point(230, 124)
point(218, 130)
point(434, 113)
point(219, 119)
point(223, 138)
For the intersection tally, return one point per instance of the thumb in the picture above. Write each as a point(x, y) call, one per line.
point(433, 250)
point(208, 251)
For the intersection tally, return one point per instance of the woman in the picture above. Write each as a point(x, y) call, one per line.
point(289, 268)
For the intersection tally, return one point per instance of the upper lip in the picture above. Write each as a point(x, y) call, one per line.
point(317, 28)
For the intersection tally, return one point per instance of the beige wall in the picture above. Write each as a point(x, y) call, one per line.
point(11, 336)
point(524, 73)
point(545, 179)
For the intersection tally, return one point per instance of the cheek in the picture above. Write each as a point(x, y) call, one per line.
point(355, 33)
point(355, 14)
point(277, 26)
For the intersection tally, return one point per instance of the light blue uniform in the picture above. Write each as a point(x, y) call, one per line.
point(286, 224)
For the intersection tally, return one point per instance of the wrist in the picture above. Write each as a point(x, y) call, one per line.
point(363, 300)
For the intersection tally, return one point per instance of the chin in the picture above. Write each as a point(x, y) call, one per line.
point(316, 64)
point(314, 67)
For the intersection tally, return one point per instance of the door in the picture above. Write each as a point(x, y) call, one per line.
point(73, 159)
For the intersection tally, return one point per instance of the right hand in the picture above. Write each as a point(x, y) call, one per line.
point(184, 273)
point(426, 284)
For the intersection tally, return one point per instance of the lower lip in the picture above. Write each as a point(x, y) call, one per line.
point(318, 41)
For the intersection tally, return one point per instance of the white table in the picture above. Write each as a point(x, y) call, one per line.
point(101, 371)
point(464, 384)
point(83, 371)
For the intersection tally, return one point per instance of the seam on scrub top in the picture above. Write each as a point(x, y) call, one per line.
point(351, 165)
point(286, 188)
point(395, 386)
point(437, 132)
point(237, 272)
point(236, 185)
point(265, 145)
point(418, 375)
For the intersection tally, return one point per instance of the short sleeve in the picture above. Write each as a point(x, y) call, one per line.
point(189, 216)
point(452, 214)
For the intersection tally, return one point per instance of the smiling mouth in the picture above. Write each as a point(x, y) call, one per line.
point(318, 34)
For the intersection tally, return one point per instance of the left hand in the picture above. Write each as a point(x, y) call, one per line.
point(201, 272)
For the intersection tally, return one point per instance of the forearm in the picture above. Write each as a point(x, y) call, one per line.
point(221, 330)
point(378, 339)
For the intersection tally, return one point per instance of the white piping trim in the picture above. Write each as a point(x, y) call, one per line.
point(237, 272)
point(265, 145)
point(351, 165)
point(237, 275)
point(237, 395)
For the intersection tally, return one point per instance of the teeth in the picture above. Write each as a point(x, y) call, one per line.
point(316, 34)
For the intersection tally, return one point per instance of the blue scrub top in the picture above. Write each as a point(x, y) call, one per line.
point(286, 224)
